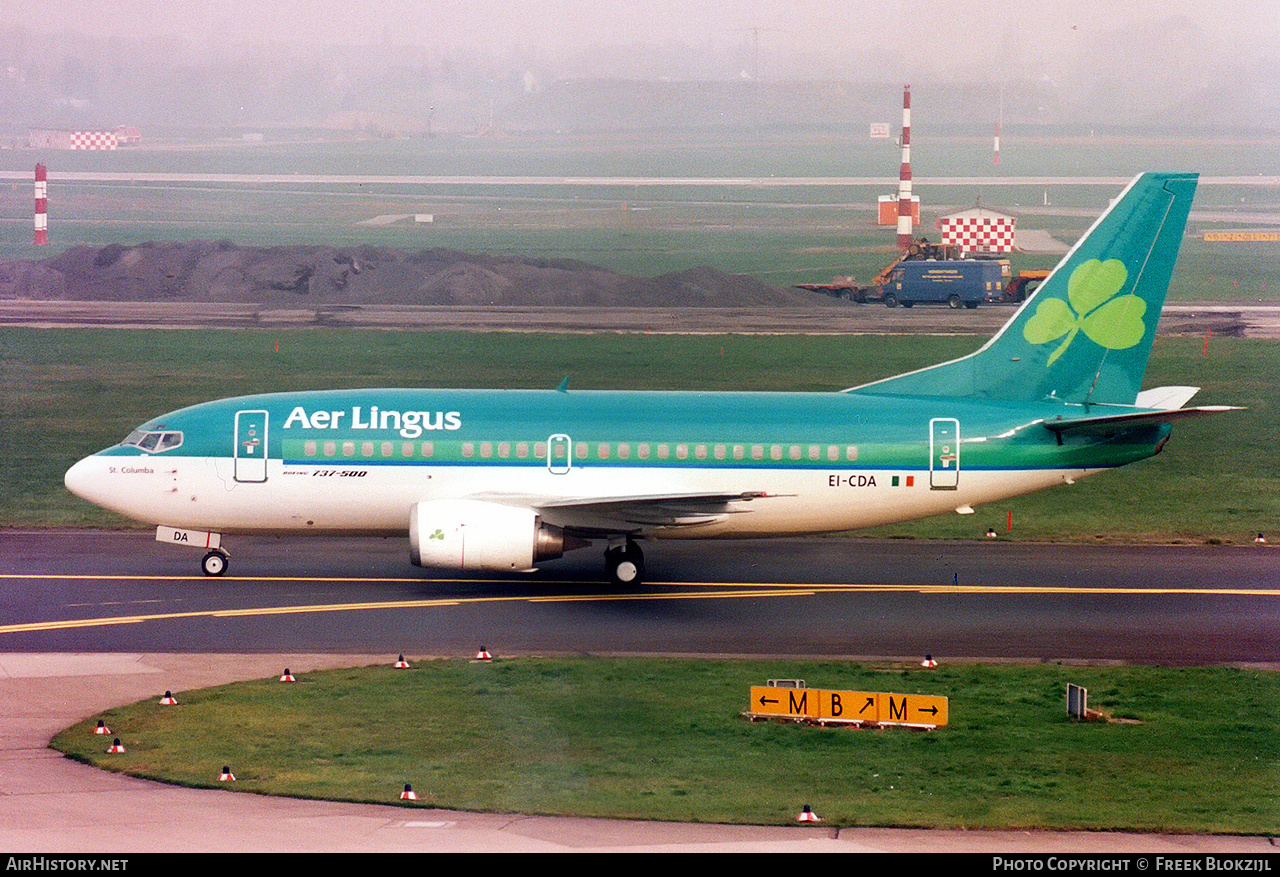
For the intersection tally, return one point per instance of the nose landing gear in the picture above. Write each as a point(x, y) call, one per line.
point(214, 563)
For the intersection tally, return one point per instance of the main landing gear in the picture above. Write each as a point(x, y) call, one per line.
point(624, 563)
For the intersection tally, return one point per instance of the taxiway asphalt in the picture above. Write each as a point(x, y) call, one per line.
point(153, 625)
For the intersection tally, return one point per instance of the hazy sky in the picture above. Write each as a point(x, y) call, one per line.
point(1185, 60)
point(931, 29)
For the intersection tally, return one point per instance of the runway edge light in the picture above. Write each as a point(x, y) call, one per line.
point(401, 663)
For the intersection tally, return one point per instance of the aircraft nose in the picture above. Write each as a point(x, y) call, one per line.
point(81, 478)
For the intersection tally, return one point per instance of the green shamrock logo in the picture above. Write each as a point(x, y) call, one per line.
point(438, 534)
point(1110, 321)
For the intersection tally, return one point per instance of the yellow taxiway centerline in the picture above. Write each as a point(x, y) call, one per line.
point(837, 587)
point(705, 591)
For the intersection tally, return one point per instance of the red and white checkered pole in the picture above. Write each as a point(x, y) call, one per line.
point(42, 207)
point(904, 175)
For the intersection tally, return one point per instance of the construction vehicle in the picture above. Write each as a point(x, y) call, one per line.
point(954, 282)
point(1021, 286)
point(893, 285)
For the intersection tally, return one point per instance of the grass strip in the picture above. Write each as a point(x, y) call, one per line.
point(664, 739)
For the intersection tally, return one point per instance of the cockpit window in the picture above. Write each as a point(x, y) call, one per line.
point(153, 441)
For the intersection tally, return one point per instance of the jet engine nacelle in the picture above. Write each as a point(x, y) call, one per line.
point(472, 534)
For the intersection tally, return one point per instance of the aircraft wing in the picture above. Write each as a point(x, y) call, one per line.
point(598, 516)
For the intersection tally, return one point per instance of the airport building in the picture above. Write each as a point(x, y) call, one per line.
point(979, 230)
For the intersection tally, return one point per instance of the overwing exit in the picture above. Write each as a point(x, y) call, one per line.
point(503, 480)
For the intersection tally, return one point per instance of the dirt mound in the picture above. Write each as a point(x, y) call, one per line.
point(290, 276)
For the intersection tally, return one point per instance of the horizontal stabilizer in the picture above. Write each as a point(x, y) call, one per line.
point(1106, 422)
point(1165, 398)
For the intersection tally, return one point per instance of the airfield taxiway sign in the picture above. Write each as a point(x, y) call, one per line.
point(853, 707)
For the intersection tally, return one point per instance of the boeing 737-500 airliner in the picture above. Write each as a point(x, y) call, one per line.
point(505, 479)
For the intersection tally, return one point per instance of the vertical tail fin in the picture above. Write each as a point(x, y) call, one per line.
point(1085, 335)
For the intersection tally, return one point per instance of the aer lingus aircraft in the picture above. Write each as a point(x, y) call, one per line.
point(503, 479)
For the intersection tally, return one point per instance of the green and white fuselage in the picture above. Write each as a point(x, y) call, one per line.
point(500, 479)
point(355, 461)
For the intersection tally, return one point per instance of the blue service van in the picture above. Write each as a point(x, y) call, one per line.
point(956, 282)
